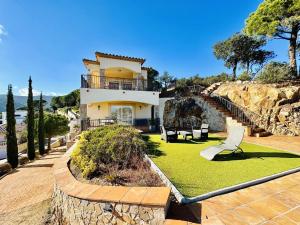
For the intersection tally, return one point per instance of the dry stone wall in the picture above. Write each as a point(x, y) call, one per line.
point(73, 211)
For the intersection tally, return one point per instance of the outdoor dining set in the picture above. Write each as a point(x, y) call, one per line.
point(171, 134)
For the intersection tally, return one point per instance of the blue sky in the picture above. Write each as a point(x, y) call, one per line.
point(48, 39)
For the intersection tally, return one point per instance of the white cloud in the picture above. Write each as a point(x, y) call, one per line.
point(24, 92)
point(2, 32)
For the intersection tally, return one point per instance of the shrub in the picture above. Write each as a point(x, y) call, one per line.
point(244, 76)
point(107, 147)
point(22, 137)
point(274, 72)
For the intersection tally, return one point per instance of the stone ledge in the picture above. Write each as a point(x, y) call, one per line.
point(153, 196)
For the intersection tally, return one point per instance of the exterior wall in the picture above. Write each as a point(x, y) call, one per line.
point(106, 63)
point(89, 96)
point(144, 74)
point(143, 112)
point(93, 69)
point(94, 113)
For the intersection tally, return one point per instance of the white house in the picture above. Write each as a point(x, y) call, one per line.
point(20, 116)
point(114, 89)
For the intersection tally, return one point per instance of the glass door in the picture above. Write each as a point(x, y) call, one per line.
point(122, 114)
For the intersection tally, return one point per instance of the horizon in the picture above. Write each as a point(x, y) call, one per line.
point(170, 36)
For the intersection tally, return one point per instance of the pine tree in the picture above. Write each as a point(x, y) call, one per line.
point(41, 129)
point(30, 123)
point(11, 138)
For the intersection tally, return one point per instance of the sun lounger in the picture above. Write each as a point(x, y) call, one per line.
point(232, 143)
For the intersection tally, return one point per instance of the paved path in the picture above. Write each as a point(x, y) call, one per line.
point(291, 144)
point(287, 143)
point(29, 185)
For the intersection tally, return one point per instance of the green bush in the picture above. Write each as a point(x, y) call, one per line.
point(274, 72)
point(108, 146)
point(244, 76)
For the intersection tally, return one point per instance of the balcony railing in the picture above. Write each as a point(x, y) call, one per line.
point(138, 123)
point(115, 83)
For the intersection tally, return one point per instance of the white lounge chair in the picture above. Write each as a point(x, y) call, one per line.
point(232, 143)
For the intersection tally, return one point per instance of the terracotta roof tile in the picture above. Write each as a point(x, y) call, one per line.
point(112, 56)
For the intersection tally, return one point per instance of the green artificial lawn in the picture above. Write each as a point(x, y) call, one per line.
point(194, 175)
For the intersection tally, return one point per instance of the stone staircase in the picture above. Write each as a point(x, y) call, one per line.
point(250, 128)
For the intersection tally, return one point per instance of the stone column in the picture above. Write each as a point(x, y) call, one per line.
point(83, 117)
point(102, 78)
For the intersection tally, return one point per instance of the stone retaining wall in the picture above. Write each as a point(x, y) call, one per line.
point(71, 210)
point(80, 203)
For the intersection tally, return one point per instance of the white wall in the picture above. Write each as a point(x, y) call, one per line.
point(89, 96)
point(93, 69)
point(161, 109)
point(110, 63)
point(145, 74)
point(140, 110)
point(143, 112)
point(20, 116)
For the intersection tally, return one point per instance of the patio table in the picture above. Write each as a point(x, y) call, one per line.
point(185, 134)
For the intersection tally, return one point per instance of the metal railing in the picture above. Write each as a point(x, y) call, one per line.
point(93, 123)
point(115, 83)
point(239, 112)
point(196, 89)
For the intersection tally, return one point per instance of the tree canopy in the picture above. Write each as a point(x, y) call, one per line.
point(55, 124)
point(278, 19)
point(153, 79)
point(69, 100)
point(11, 138)
point(166, 79)
point(242, 49)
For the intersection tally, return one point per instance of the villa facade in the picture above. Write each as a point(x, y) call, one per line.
point(115, 89)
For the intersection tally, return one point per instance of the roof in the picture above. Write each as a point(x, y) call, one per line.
point(128, 58)
point(89, 61)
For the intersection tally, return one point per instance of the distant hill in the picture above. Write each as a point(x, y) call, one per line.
point(21, 101)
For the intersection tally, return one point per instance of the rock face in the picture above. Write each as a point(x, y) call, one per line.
point(277, 105)
point(183, 113)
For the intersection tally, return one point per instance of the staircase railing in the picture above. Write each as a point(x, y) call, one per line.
point(241, 113)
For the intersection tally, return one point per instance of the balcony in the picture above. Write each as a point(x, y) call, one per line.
point(113, 83)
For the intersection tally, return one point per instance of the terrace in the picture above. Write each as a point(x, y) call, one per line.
point(113, 83)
